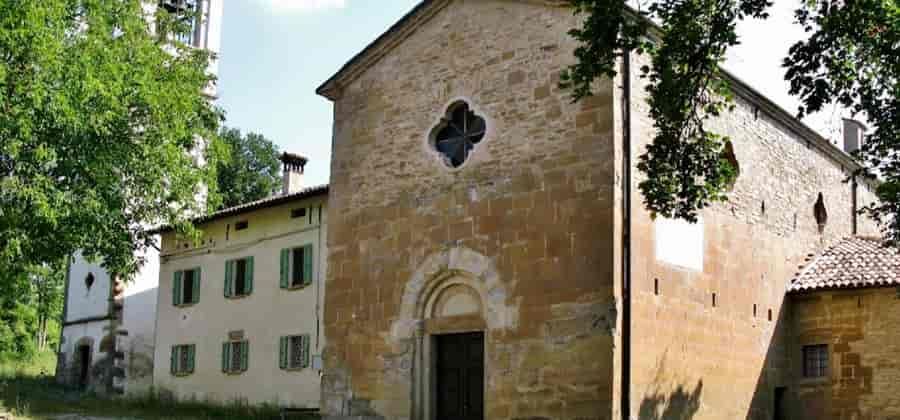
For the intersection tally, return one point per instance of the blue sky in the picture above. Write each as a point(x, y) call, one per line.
point(276, 52)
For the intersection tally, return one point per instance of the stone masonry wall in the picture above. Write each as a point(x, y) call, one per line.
point(529, 217)
point(700, 360)
point(860, 328)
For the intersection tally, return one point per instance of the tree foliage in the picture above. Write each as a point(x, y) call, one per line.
point(31, 303)
point(850, 57)
point(252, 170)
point(100, 120)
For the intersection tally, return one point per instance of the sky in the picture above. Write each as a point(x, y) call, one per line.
point(275, 53)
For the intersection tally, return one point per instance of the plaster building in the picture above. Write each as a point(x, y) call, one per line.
point(489, 256)
point(107, 341)
point(239, 312)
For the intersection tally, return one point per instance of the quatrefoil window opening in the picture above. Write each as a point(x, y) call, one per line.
point(458, 133)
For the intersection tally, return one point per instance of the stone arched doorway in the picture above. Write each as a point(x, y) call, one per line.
point(450, 306)
point(83, 357)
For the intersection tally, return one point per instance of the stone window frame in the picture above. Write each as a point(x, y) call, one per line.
point(440, 120)
point(822, 361)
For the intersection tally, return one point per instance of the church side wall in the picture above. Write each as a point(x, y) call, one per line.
point(525, 225)
point(709, 360)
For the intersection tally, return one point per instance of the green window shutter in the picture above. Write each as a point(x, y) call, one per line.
point(172, 358)
point(283, 344)
point(196, 294)
point(226, 356)
point(245, 347)
point(304, 345)
point(176, 289)
point(229, 277)
point(190, 358)
point(285, 267)
point(248, 277)
point(307, 264)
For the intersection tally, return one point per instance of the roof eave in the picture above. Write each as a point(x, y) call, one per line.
point(331, 88)
point(312, 192)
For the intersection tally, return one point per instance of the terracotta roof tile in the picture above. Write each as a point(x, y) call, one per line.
point(851, 263)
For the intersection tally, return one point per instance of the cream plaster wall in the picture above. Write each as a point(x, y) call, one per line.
point(264, 316)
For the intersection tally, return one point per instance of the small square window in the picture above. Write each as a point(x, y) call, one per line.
point(815, 361)
point(296, 213)
point(241, 225)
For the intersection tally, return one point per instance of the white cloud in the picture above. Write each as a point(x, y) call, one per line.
point(305, 5)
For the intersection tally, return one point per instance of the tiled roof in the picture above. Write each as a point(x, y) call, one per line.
point(851, 263)
point(255, 205)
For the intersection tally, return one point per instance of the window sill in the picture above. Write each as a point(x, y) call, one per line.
point(235, 373)
point(237, 297)
point(814, 381)
point(182, 375)
point(297, 369)
point(296, 288)
point(184, 305)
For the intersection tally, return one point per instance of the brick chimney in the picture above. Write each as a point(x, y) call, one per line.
point(854, 135)
point(292, 171)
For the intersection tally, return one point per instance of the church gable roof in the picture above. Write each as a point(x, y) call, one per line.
point(855, 262)
point(426, 9)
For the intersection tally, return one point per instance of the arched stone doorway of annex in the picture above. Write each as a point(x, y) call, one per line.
point(455, 295)
point(83, 354)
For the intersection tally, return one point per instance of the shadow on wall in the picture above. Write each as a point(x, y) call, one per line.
point(680, 404)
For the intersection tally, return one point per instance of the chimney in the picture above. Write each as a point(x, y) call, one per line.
point(292, 170)
point(854, 135)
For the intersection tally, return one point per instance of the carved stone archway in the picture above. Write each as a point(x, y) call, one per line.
point(454, 290)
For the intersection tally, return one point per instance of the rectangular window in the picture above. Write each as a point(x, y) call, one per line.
point(186, 11)
point(186, 287)
point(815, 361)
point(294, 352)
point(297, 213)
point(235, 356)
point(296, 267)
point(239, 277)
point(241, 225)
point(182, 359)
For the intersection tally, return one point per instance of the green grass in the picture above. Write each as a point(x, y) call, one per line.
point(28, 394)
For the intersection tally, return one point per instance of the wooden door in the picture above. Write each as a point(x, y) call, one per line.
point(460, 376)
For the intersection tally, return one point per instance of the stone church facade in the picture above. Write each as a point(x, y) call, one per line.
point(489, 256)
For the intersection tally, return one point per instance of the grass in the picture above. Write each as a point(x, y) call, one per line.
point(28, 391)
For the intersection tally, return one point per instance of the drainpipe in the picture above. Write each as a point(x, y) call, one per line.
point(626, 235)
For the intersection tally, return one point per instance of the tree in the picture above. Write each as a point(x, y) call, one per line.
point(31, 303)
point(100, 120)
point(252, 170)
point(48, 292)
point(850, 58)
